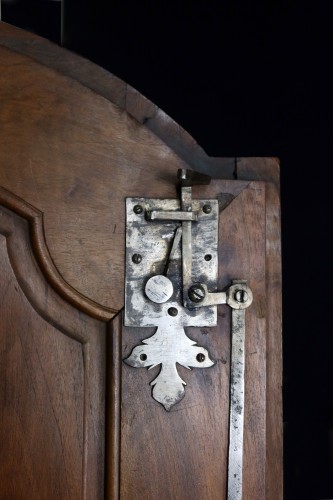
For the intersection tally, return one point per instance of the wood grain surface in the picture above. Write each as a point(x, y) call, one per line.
point(74, 142)
point(119, 93)
point(268, 170)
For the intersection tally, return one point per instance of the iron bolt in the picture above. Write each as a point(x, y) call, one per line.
point(240, 296)
point(196, 293)
point(138, 209)
point(207, 209)
point(136, 258)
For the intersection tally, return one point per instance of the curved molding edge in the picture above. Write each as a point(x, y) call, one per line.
point(44, 259)
point(121, 94)
point(126, 98)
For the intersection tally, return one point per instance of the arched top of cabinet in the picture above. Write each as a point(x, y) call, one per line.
point(76, 140)
point(117, 92)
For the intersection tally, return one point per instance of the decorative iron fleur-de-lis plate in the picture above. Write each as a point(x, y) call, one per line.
point(153, 290)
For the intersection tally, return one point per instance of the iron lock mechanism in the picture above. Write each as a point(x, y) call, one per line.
point(171, 283)
point(170, 244)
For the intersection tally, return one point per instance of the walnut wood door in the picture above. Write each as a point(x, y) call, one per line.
point(75, 420)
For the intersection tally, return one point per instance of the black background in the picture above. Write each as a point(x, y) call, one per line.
point(243, 81)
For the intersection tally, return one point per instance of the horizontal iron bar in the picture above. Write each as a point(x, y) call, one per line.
point(166, 215)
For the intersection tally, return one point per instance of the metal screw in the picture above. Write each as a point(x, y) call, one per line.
point(196, 293)
point(138, 209)
point(172, 311)
point(207, 209)
point(136, 258)
point(201, 357)
point(241, 296)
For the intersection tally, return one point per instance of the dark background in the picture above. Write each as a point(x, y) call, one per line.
point(243, 81)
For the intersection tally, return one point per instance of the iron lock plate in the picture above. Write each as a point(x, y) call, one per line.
point(148, 247)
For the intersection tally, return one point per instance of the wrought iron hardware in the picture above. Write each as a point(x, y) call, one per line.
point(171, 280)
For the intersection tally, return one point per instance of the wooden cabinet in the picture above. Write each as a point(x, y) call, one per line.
point(77, 422)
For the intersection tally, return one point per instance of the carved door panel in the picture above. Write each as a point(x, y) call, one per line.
point(76, 420)
point(52, 383)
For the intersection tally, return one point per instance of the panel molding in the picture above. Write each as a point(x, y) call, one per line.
point(69, 321)
point(42, 254)
point(113, 407)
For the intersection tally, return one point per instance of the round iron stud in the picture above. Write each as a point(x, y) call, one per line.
point(138, 209)
point(172, 311)
point(136, 258)
point(207, 209)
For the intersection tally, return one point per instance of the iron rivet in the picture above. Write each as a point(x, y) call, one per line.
point(207, 209)
point(138, 209)
point(241, 296)
point(137, 258)
point(201, 357)
point(172, 311)
point(196, 293)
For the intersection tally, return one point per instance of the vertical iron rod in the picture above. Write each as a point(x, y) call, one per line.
point(236, 418)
